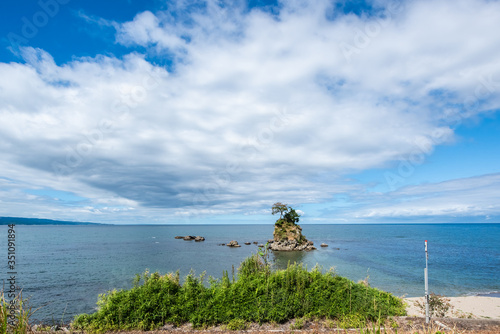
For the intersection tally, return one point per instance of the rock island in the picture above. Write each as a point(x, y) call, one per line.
point(287, 235)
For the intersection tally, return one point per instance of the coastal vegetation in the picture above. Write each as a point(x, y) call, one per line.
point(257, 294)
point(288, 215)
point(14, 314)
point(438, 305)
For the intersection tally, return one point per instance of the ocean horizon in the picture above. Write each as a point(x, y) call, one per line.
point(63, 269)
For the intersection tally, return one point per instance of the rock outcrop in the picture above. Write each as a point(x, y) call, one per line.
point(233, 243)
point(290, 245)
point(190, 237)
point(288, 237)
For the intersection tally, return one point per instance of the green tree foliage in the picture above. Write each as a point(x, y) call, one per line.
point(291, 216)
point(279, 208)
point(287, 214)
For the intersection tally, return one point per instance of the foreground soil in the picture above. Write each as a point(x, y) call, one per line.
point(400, 325)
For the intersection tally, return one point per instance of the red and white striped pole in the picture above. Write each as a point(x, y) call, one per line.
point(427, 316)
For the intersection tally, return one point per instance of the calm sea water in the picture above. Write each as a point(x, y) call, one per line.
point(62, 269)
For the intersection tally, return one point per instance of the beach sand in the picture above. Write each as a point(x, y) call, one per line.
point(476, 306)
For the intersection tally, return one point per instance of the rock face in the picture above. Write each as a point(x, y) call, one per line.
point(290, 245)
point(288, 237)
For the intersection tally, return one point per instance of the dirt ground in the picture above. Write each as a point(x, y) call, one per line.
point(399, 325)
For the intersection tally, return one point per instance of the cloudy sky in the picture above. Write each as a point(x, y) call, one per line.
point(210, 111)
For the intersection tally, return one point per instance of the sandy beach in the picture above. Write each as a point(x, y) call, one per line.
point(477, 307)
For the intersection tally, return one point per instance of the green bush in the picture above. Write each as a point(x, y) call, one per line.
point(298, 324)
point(237, 325)
point(438, 305)
point(257, 295)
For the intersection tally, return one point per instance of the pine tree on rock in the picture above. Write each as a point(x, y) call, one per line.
point(287, 233)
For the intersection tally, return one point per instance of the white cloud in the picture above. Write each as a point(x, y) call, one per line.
point(475, 196)
point(145, 29)
point(256, 108)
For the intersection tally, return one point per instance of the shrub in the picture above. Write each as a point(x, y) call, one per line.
point(298, 324)
point(237, 325)
point(257, 295)
point(438, 305)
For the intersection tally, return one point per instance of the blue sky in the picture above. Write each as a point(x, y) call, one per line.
point(181, 112)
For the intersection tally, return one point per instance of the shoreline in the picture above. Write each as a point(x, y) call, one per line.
point(494, 294)
point(474, 307)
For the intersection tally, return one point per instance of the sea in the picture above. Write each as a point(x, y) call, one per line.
point(62, 269)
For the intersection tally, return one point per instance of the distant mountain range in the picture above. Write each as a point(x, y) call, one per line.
point(36, 221)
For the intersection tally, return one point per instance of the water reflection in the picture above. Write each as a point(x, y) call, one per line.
point(282, 258)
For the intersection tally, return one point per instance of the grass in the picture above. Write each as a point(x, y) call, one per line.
point(14, 314)
point(258, 295)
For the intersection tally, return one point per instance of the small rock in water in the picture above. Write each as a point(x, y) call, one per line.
point(247, 243)
point(179, 237)
point(255, 242)
point(233, 243)
point(324, 245)
point(198, 238)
